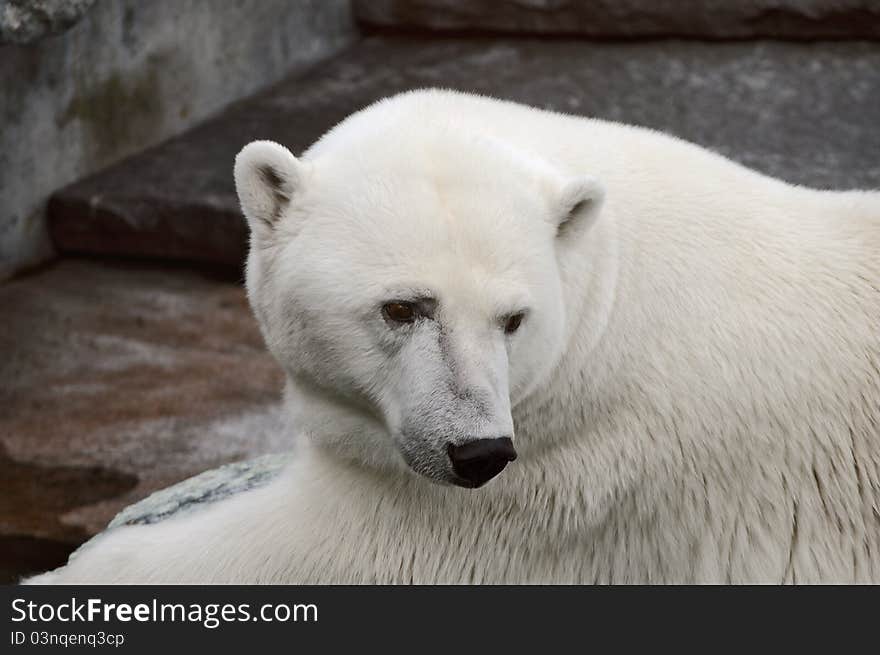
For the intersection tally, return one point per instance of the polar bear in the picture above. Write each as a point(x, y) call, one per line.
point(526, 347)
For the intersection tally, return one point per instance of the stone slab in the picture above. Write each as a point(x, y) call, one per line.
point(804, 112)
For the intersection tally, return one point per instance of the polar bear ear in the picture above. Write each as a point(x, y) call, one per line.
point(578, 203)
point(267, 176)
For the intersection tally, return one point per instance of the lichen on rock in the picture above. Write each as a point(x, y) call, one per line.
point(24, 21)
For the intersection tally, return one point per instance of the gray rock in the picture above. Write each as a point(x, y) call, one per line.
point(24, 21)
point(803, 112)
point(720, 19)
point(203, 489)
point(197, 492)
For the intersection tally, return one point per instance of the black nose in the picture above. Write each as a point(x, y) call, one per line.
point(477, 462)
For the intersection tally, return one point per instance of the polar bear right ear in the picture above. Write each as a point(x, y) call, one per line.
point(267, 176)
point(577, 205)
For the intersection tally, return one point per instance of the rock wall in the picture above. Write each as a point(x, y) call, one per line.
point(126, 75)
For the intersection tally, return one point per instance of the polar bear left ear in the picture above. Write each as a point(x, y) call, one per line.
point(267, 176)
point(577, 205)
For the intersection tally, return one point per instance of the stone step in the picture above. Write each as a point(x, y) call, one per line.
point(804, 112)
point(798, 19)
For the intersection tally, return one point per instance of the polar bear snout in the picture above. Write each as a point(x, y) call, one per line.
point(476, 462)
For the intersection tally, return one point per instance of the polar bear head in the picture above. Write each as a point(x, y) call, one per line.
point(410, 288)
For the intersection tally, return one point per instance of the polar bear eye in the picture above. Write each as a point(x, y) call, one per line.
point(399, 312)
point(512, 322)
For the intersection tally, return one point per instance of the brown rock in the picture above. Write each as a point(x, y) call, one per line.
point(117, 380)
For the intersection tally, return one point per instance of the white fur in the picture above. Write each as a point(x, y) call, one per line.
point(695, 391)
